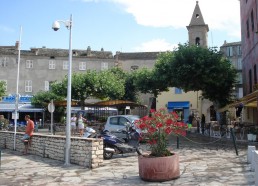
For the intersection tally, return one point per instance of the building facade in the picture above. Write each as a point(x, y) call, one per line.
point(233, 52)
point(40, 66)
point(249, 38)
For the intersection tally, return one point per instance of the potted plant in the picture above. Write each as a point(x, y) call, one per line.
point(160, 164)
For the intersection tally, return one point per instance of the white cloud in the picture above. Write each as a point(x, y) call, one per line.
point(223, 15)
point(155, 45)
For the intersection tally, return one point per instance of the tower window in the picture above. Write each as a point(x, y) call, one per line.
point(197, 16)
point(197, 41)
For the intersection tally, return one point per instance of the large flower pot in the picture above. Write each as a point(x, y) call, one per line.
point(159, 168)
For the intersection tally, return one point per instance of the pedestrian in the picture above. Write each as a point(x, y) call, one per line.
point(203, 123)
point(73, 124)
point(81, 121)
point(28, 134)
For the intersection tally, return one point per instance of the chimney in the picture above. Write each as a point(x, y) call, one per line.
point(17, 45)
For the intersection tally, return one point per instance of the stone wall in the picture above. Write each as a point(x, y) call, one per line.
point(87, 152)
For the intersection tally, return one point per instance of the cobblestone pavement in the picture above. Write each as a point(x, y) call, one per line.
point(201, 163)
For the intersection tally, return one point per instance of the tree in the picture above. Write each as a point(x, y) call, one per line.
point(103, 85)
point(147, 81)
point(194, 68)
point(2, 88)
point(42, 98)
point(131, 92)
point(109, 86)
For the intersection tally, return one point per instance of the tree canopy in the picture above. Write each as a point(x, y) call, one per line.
point(149, 81)
point(194, 68)
point(2, 88)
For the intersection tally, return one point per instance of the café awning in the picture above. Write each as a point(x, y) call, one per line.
point(10, 107)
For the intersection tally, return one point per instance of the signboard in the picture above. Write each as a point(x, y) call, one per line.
point(22, 99)
point(13, 115)
point(51, 107)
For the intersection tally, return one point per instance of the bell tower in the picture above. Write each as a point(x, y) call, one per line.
point(197, 29)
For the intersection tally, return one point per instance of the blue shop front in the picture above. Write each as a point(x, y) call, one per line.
point(182, 108)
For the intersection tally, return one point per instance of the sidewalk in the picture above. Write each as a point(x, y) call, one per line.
point(198, 166)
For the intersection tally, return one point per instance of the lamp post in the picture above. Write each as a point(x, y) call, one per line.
point(56, 26)
point(17, 91)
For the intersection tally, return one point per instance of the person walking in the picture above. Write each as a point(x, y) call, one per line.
point(81, 121)
point(28, 134)
point(73, 124)
point(203, 123)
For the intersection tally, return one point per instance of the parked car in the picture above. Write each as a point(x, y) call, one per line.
point(116, 124)
point(119, 122)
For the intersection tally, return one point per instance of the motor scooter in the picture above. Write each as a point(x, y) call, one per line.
point(89, 133)
point(115, 145)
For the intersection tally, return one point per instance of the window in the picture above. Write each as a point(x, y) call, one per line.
point(46, 86)
point(82, 66)
point(239, 63)
point(255, 75)
point(29, 64)
point(134, 67)
point(28, 86)
point(178, 91)
point(4, 62)
point(250, 81)
point(229, 51)
point(240, 79)
point(52, 64)
point(197, 41)
point(247, 29)
point(239, 50)
point(114, 121)
point(5, 86)
point(252, 20)
point(104, 66)
point(65, 65)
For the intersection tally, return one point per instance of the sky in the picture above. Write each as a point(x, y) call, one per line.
point(115, 25)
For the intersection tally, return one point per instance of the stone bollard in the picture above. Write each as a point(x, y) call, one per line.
point(253, 160)
point(249, 153)
point(256, 167)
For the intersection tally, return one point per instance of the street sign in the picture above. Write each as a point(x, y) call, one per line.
point(51, 107)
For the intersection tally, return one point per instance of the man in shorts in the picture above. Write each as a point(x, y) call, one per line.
point(28, 133)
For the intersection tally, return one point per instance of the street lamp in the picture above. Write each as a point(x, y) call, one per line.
point(56, 26)
point(17, 91)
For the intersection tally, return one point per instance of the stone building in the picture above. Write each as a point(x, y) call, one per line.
point(40, 66)
point(249, 38)
point(233, 52)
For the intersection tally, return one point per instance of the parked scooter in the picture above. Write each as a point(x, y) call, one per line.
point(89, 133)
point(115, 145)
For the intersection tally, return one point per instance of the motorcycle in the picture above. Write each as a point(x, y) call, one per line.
point(115, 145)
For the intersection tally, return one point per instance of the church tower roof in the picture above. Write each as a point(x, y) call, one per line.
point(197, 29)
point(197, 18)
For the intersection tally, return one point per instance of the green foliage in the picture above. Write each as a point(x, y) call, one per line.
point(109, 86)
point(104, 85)
point(2, 88)
point(131, 91)
point(148, 81)
point(194, 68)
point(42, 98)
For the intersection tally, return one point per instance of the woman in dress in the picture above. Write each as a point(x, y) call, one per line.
point(73, 124)
point(81, 121)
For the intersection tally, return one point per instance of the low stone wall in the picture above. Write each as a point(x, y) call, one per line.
point(87, 152)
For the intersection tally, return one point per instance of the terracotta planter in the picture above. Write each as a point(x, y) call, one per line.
point(159, 168)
